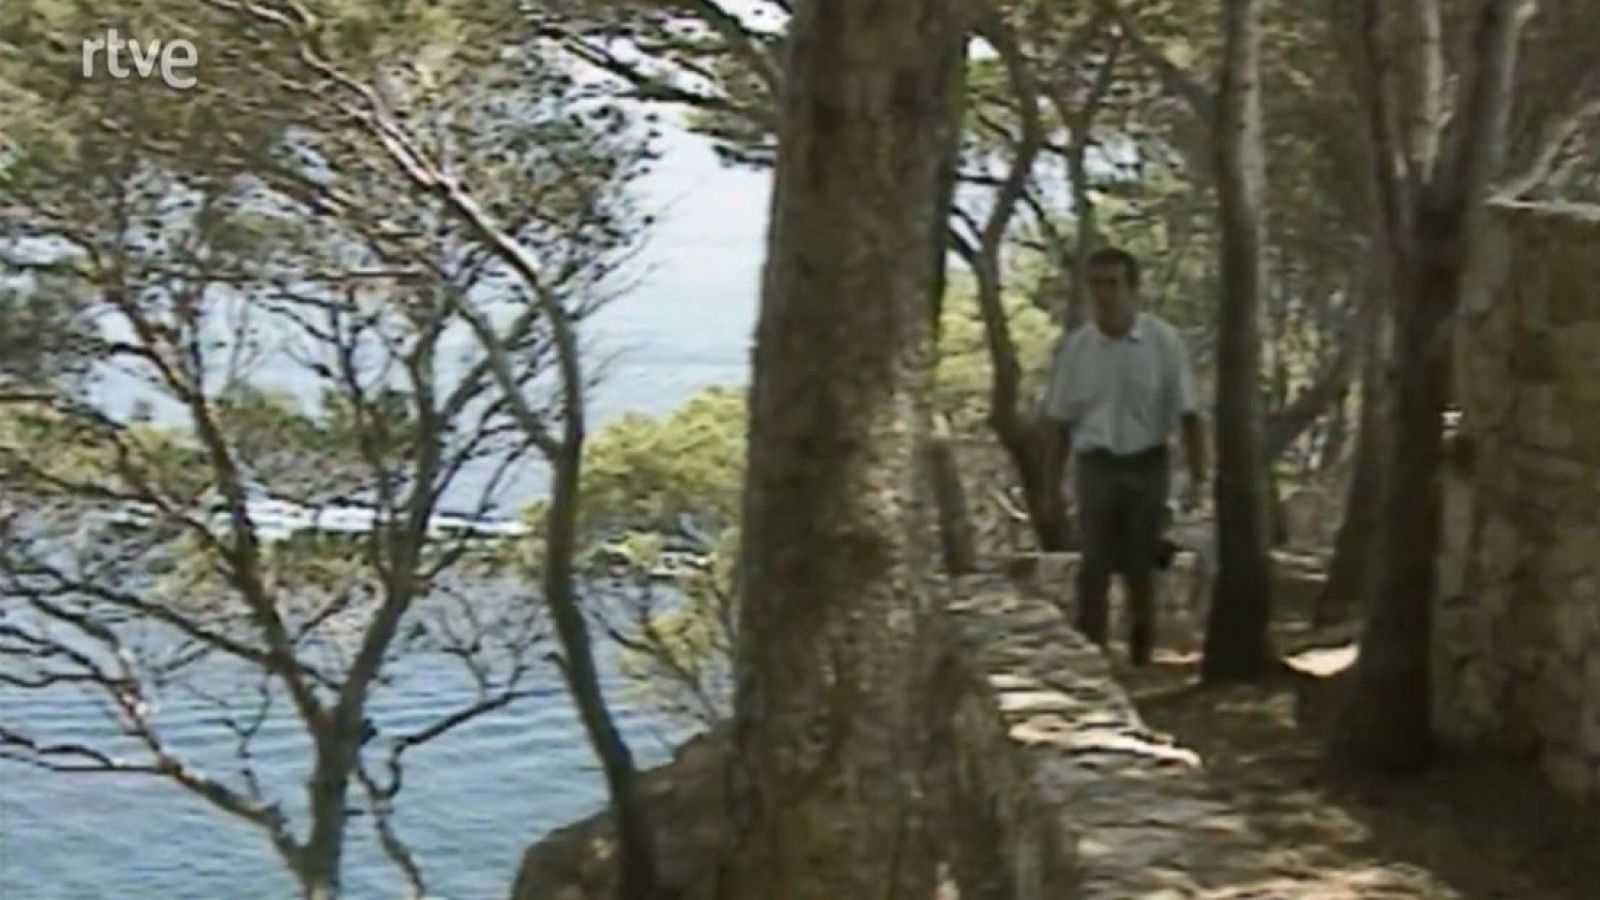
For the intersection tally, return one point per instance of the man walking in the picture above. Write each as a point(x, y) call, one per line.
point(1121, 385)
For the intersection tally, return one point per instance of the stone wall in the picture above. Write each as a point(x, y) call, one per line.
point(1084, 782)
point(1517, 634)
point(1056, 789)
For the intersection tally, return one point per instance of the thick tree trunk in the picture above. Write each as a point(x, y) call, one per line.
point(1236, 644)
point(1389, 726)
point(957, 536)
point(836, 634)
point(1430, 229)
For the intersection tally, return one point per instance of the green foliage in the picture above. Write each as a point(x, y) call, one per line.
point(43, 332)
point(659, 525)
point(45, 453)
point(201, 242)
point(675, 624)
point(645, 473)
point(644, 477)
point(963, 374)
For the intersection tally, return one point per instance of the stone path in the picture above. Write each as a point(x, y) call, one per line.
point(1149, 823)
point(1068, 793)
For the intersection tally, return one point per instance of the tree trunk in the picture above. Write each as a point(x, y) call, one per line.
point(1430, 231)
point(1336, 437)
point(958, 539)
point(1277, 522)
point(1021, 436)
point(1088, 233)
point(942, 239)
point(1389, 726)
point(1041, 487)
point(1019, 432)
point(957, 536)
point(1236, 644)
point(836, 637)
point(1355, 553)
point(328, 788)
point(636, 859)
point(1350, 579)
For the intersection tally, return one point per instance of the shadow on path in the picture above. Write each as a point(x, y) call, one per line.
point(1468, 828)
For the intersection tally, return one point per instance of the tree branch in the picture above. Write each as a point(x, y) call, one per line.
point(1555, 139)
point(1179, 82)
point(1285, 425)
point(999, 34)
point(127, 695)
point(650, 88)
point(1395, 191)
point(741, 42)
point(1478, 136)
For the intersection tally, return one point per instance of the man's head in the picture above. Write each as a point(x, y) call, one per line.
point(1113, 286)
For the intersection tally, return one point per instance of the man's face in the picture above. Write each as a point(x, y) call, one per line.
point(1110, 291)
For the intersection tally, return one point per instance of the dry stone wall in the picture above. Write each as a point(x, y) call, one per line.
point(1517, 633)
point(1057, 789)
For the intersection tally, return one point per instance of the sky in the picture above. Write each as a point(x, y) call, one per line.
point(691, 319)
point(687, 322)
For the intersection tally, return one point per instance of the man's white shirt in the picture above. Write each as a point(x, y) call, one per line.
point(1124, 395)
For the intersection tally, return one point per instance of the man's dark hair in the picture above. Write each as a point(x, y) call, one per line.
point(1116, 256)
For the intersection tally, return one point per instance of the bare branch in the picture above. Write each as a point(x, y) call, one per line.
point(1556, 139)
point(381, 804)
point(741, 42)
point(650, 88)
point(998, 32)
point(124, 691)
point(1288, 423)
point(1178, 81)
point(65, 757)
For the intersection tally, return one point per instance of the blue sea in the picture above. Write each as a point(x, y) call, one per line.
point(472, 800)
point(476, 798)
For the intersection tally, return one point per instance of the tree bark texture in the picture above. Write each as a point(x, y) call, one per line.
point(636, 858)
point(1021, 434)
point(958, 536)
point(836, 639)
point(1236, 644)
point(1432, 206)
point(1350, 578)
point(327, 791)
point(1389, 727)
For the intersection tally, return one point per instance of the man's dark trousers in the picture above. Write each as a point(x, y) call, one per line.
point(1121, 505)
